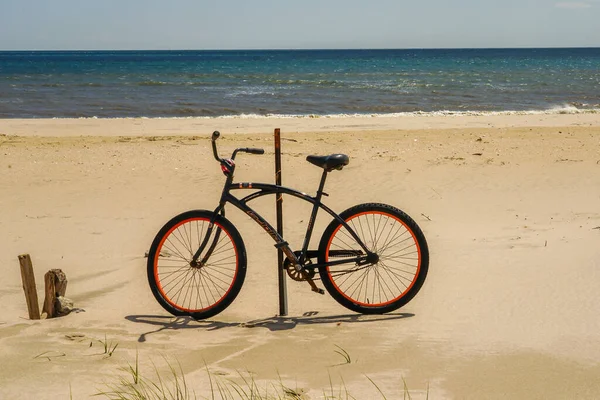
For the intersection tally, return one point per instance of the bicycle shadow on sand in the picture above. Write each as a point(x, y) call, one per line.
point(166, 323)
point(276, 323)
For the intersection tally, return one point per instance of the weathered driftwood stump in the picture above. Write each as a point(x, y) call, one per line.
point(29, 286)
point(55, 304)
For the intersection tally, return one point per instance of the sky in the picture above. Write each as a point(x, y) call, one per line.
point(291, 24)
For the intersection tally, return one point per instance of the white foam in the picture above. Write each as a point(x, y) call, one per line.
point(562, 109)
point(565, 109)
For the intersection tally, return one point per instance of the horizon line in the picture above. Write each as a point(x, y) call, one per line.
point(310, 49)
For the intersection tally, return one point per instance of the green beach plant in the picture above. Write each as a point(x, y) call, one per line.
point(109, 346)
point(133, 386)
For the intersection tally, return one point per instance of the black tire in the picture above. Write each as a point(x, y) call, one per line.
point(398, 274)
point(199, 292)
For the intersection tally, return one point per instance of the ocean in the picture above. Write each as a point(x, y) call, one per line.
point(259, 83)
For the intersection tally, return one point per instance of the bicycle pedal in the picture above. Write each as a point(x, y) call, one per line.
point(318, 290)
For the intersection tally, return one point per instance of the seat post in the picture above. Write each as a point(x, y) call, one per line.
point(321, 185)
point(313, 216)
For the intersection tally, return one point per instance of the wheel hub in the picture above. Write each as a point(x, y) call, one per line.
point(372, 258)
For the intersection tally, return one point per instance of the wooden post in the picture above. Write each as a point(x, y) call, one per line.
point(55, 286)
point(29, 286)
point(283, 305)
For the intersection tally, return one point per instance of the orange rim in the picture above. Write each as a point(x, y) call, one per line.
point(209, 285)
point(396, 264)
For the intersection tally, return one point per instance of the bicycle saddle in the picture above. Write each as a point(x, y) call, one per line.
point(330, 162)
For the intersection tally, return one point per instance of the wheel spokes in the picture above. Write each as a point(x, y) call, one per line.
point(195, 288)
point(392, 275)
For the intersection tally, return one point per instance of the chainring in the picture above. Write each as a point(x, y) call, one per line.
point(298, 276)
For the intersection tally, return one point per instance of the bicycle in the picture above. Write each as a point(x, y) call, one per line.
point(372, 258)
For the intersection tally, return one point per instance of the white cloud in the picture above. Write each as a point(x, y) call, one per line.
point(573, 5)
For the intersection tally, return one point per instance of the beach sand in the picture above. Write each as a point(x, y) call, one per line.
point(509, 204)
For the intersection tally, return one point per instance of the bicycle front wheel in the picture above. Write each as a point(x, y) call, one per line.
point(399, 271)
point(202, 289)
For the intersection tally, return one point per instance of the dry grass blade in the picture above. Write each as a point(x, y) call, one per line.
point(376, 387)
point(49, 355)
point(344, 354)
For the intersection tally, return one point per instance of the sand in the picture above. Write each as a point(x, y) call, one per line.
point(509, 204)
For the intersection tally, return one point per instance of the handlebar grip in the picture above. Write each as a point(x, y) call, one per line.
point(255, 151)
point(215, 136)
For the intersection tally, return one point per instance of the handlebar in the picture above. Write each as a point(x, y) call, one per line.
point(251, 150)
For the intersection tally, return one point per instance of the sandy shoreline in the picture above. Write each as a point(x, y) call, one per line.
point(64, 127)
point(509, 206)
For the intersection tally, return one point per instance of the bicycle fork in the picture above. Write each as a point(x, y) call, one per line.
point(194, 263)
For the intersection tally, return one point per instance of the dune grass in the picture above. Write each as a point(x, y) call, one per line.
point(131, 385)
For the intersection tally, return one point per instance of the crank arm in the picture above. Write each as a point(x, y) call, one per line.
point(313, 285)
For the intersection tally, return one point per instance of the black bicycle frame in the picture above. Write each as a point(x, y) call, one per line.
point(266, 189)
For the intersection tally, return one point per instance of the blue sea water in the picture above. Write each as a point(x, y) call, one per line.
point(108, 84)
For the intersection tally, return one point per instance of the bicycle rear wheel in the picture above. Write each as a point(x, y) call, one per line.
point(401, 267)
point(202, 290)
